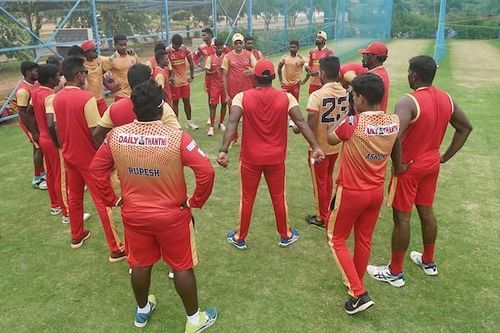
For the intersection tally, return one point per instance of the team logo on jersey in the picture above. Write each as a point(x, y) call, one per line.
point(382, 130)
point(143, 140)
point(191, 145)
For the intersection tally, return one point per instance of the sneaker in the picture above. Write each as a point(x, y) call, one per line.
point(239, 244)
point(355, 305)
point(291, 123)
point(170, 275)
point(315, 222)
point(210, 131)
point(285, 242)
point(117, 256)
point(192, 125)
point(77, 243)
point(383, 273)
point(65, 219)
point(429, 269)
point(207, 319)
point(208, 121)
point(141, 319)
point(55, 210)
point(222, 127)
point(39, 183)
point(86, 217)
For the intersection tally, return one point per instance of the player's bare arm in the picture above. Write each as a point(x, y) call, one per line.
point(317, 154)
point(191, 67)
point(406, 111)
point(280, 74)
point(229, 134)
point(462, 127)
point(51, 124)
point(27, 115)
point(225, 74)
point(99, 134)
point(396, 155)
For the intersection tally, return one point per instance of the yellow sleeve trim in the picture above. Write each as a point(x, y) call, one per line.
point(106, 121)
point(91, 113)
point(238, 100)
point(417, 106)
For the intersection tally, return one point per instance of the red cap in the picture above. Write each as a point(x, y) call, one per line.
point(262, 66)
point(375, 48)
point(88, 45)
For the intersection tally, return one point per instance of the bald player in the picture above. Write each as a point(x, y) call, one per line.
point(315, 56)
point(374, 57)
point(424, 115)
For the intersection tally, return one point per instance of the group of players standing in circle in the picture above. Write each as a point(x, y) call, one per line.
point(139, 139)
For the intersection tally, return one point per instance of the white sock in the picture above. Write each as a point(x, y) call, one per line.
point(194, 319)
point(145, 309)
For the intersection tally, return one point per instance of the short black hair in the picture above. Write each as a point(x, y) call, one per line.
point(381, 58)
point(147, 98)
point(118, 38)
point(160, 54)
point(249, 38)
point(47, 72)
point(370, 86)
point(160, 46)
point(71, 66)
point(219, 42)
point(176, 39)
point(137, 74)
point(330, 66)
point(207, 31)
point(75, 50)
point(266, 79)
point(425, 67)
point(294, 42)
point(54, 60)
point(28, 66)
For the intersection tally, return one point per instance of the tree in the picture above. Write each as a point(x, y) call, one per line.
point(12, 35)
point(267, 10)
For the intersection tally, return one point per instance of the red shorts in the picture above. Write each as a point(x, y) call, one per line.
point(175, 244)
point(217, 95)
point(207, 84)
point(313, 88)
point(101, 106)
point(180, 92)
point(293, 89)
point(28, 134)
point(411, 188)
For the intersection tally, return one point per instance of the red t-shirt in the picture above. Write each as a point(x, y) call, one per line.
point(368, 139)
point(160, 76)
point(423, 137)
point(38, 97)
point(76, 112)
point(382, 72)
point(122, 112)
point(214, 64)
point(314, 57)
point(236, 64)
point(264, 131)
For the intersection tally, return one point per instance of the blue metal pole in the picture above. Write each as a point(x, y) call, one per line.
point(214, 17)
point(95, 27)
point(167, 21)
point(235, 21)
point(439, 47)
point(389, 18)
point(249, 17)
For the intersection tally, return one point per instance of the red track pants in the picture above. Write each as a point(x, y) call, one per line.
point(358, 209)
point(249, 179)
point(322, 178)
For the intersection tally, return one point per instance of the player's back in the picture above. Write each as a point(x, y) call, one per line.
point(38, 97)
point(423, 137)
point(384, 75)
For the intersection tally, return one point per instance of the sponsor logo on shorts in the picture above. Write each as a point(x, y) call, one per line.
point(134, 171)
point(191, 145)
point(375, 157)
point(382, 130)
point(143, 140)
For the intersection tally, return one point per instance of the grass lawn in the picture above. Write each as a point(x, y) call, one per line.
point(47, 287)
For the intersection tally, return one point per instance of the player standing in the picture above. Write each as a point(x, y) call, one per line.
point(249, 46)
point(424, 116)
point(293, 64)
point(326, 107)
point(163, 74)
point(263, 149)
point(76, 117)
point(179, 54)
point(95, 80)
point(314, 57)
point(156, 210)
point(216, 86)
point(374, 57)
point(368, 140)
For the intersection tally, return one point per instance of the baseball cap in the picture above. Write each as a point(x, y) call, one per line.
point(87, 45)
point(375, 48)
point(264, 65)
point(238, 36)
point(322, 34)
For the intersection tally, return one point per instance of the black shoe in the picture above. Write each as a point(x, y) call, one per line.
point(313, 220)
point(355, 305)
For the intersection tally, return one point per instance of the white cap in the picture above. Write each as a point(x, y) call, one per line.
point(238, 36)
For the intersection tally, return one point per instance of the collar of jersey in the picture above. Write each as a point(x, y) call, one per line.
point(381, 66)
point(148, 122)
point(368, 113)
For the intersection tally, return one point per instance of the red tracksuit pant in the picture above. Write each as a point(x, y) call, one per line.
point(358, 209)
point(322, 178)
point(250, 178)
point(77, 178)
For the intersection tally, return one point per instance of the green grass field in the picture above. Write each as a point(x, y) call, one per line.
point(47, 287)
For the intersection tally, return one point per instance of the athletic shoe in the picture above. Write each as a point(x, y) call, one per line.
point(65, 219)
point(222, 127)
point(207, 319)
point(355, 305)
point(383, 273)
point(313, 220)
point(429, 269)
point(39, 183)
point(208, 121)
point(291, 123)
point(55, 210)
point(77, 243)
point(239, 244)
point(210, 131)
point(117, 256)
point(192, 125)
point(141, 319)
point(170, 275)
point(285, 242)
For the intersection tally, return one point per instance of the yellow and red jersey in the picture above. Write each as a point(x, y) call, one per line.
point(119, 65)
point(382, 73)
point(314, 57)
point(332, 104)
point(76, 113)
point(257, 54)
point(293, 68)
point(214, 64)
point(350, 70)
point(368, 139)
point(264, 131)
point(94, 77)
point(178, 60)
point(150, 159)
point(423, 136)
point(235, 64)
point(160, 76)
point(23, 95)
point(40, 97)
point(204, 51)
